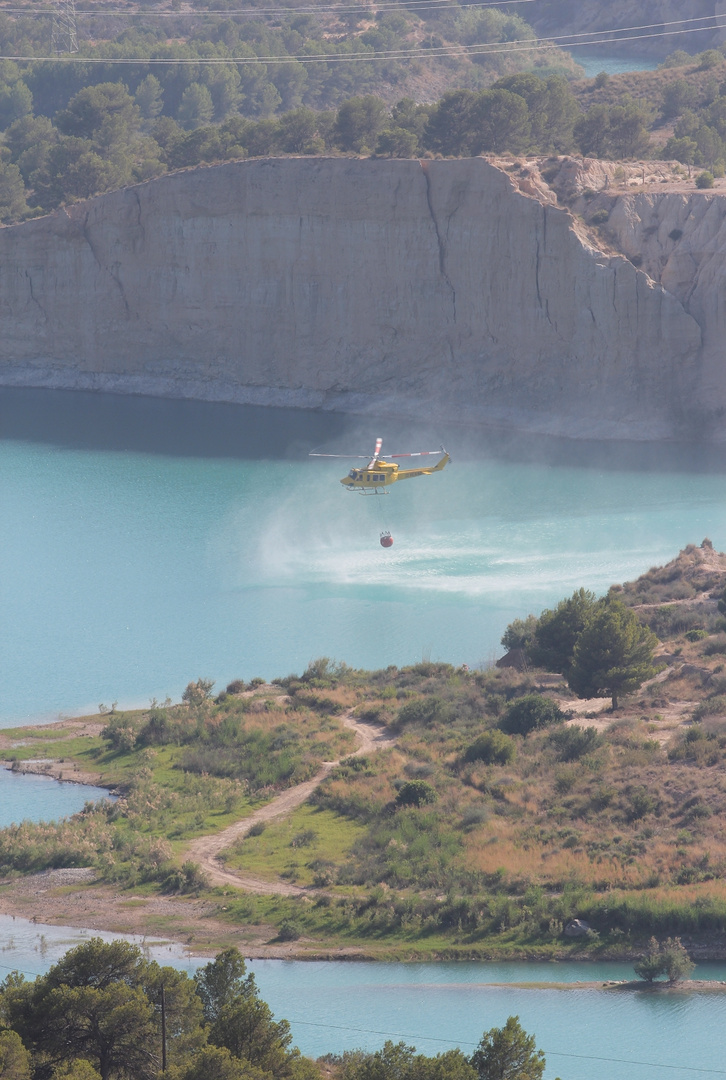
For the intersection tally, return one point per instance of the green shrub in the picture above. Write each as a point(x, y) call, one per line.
point(714, 706)
point(190, 879)
point(493, 748)
point(599, 217)
point(603, 797)
point(705, 179)
point(289, 930)
point(419, 770)
point(565, 780)
point(530, 713)
point(422, 711)
point(696, 635)
point(304, 839)
point(679, 58)
point(416, 793)
point(716, 646)
point(642, 803)
point(121, 733)
point(474, 815)
point(650, 966)
point(668, 958)
point(323, 673)
point(571, 743)
point(711, 58)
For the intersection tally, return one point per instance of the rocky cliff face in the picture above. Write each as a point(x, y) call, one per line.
point(435, 289)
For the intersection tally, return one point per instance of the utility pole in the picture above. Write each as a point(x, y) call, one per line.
point(63, 34)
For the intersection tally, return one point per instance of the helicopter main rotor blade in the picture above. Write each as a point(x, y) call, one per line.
point(376, 452)
point(419, 453)
point(372, 461)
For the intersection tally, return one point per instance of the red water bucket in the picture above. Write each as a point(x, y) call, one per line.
point(386, 540)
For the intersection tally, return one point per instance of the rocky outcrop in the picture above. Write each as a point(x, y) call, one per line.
point(446, 289)
point(677, 238)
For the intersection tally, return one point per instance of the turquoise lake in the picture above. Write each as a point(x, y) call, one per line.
point(594, 62)
point(146, 543)
point(26, 797)
point(332, 1007)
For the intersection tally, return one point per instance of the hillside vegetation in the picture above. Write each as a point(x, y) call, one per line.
point(390, 81)
point(252, 68)
point(507, 807)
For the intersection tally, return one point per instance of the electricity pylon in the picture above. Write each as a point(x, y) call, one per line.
point(63, 34)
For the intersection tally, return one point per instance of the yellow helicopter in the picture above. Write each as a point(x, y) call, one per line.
point(379, 474)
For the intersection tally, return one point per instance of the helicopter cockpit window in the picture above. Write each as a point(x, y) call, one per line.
point(352, 474)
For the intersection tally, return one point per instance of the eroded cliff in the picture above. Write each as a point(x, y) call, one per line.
point(442, 288)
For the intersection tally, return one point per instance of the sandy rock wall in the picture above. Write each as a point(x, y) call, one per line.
point(678, 238)
point(426, 289)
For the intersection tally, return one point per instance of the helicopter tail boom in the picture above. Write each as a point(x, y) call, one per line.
point(409, 474)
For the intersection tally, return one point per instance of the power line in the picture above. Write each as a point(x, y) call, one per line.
point(322, 8)
point(467, 1042)
point(358, 8)
point(495, 49)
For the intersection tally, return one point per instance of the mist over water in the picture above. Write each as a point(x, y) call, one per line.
point(145, 543)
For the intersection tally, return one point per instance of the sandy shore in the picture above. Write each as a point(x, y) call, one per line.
point(72, 897)
point(65, 770)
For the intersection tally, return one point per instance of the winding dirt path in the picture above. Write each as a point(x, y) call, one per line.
point(206, 850)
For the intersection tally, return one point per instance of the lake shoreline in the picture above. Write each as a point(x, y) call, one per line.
point(639, 985)
point(73, 896)
point(62, 769)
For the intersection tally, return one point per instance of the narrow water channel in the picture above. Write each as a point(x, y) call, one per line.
point(333, 1007)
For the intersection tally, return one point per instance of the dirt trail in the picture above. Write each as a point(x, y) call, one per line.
point(205, 850)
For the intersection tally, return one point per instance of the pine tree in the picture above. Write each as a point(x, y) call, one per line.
point(508, 1053)
point(613, 654)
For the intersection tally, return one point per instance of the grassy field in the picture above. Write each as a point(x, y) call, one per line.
point(303, 848)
